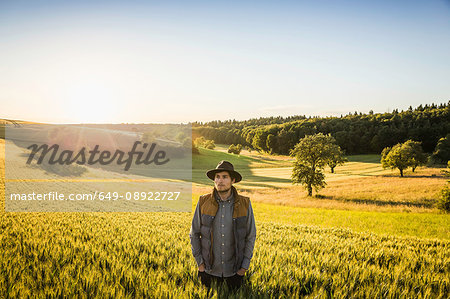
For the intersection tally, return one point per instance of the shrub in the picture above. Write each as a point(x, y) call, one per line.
point(209, 144)
point(206, 143)
point(235, 149)
point(443, 202)
point(199, 142)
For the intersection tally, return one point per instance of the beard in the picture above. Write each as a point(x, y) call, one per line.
point(223, 191)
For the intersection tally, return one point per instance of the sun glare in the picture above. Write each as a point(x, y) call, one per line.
point(90, 102)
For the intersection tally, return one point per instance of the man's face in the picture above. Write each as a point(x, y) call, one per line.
point(223, 181)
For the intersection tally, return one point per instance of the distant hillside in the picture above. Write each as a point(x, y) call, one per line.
point(356, 133)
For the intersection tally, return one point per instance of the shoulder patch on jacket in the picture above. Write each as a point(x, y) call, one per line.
point(245, 200)
point(203, 198)
point(241, 206)
point(208, 205)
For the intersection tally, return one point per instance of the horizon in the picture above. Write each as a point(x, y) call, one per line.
point(240, 120)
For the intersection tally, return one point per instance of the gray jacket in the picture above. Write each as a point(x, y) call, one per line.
point(223, 233)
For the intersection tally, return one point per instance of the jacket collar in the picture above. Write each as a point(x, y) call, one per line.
point(217, 197)
point(234, 194)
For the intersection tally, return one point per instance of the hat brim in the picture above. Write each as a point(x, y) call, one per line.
point(211, 174)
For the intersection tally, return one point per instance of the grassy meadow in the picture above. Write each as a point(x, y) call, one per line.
point(368, 234)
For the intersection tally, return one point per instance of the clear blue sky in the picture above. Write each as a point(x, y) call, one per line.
point(167, 61)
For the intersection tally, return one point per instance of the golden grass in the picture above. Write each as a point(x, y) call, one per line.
point(355, 186)
point(375, 193)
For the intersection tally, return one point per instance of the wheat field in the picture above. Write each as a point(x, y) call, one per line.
point(304, 248)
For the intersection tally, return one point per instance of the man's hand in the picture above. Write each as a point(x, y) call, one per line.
point(201, 268)
point(241, 272)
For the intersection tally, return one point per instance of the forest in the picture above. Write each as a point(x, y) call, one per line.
point(355, 133)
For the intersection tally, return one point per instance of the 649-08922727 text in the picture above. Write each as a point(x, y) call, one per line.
point(103, 196)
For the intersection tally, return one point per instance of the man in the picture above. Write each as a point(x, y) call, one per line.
point(223, 230)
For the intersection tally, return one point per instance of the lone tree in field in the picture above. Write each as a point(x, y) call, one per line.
point(417, 156)
point(312, 154)
point(336, 157)
point(441, 154)
point(402, 156)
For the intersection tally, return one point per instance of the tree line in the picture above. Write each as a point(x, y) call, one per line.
point(355, 133)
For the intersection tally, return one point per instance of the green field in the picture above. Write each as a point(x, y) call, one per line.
point(369, 234)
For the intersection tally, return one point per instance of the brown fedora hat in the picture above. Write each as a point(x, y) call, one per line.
point(224, 166)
